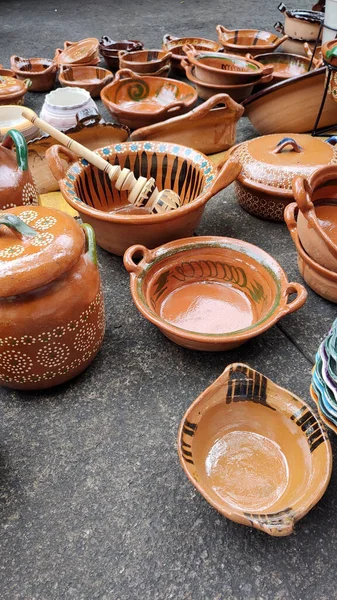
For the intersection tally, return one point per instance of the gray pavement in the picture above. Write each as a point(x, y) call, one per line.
point(93, 501)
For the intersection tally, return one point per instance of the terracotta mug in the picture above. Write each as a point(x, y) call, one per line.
point(17, 187)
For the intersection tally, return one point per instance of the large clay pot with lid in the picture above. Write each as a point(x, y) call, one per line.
point(12, 90)
point(269, 164)
point(16, 184)
point(51, 304)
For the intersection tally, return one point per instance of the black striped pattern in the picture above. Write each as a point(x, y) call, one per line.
point(189, 429)
point(310, 426)
point(272, 520)
point(252, 387)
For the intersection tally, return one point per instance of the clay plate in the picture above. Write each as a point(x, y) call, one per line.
point(255, 451)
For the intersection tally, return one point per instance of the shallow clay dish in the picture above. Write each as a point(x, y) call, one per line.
point(12, 91)
point(175, 45)
point(144, 61)
point(210, 293)
point(41, 72)
point(84, 52)
point(208, 128)
point(109, 49)
point(284, 65)
point(92, 79)
point(255, 451)
point(11, 118)
point(142, 101)
point(207, 90)
point(187, 172)
point(253, 41)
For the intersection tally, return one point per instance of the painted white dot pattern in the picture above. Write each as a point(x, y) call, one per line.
point(53, 354)
point(12, 251)
point(85, 337)
point(45, 223)
point(29, 195)
point(28, 216)
point(42, 239)
point(15, 362)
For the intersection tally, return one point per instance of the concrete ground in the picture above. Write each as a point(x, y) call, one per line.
point(94, 504)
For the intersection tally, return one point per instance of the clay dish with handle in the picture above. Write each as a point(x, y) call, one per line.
point(41, 71)
point(92, 79)
point(253, 41)
point(84, 52)
point(285, 65)
point(109, 50)
point(175, 45)
point(144, 61)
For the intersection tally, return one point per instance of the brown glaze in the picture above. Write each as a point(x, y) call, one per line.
point(92, 79)
point(7, 73)
point(175, 46)
point(84, 52)
point(188, 173)
point(41, 72)
point(52, 313)
point(255, 451)
point(109, 50)
point(284, 65)
point(241, 41)
point(208, 128)
point(210, 293)
point(207, 90)
point(329, 52)
point(142, 101)
point(144, 61)
point(16, 184)
point(12, 91)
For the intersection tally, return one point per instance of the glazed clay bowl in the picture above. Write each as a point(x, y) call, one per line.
point(109, 50)
point(144, 61)
point(12, 91)
point(84, 52)
point(253, 41)
point(225, 69)
point(210, 293)
point(316, 198)
point(321, 280)
point(175, 46)
point(41, 72)
point(207, 90)
point(11, 118)
point(255, 451)
point(7, 73)
point(141, 101)
point(284, 65)
point(187, 172)
point(91, 79)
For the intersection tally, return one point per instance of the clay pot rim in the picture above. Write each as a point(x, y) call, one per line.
point(166, 56)
point(267, 262)
point(196, 63)
point(281, 85)
point(52, 66)
point(85, 94)
point(180, 42)
point(214, 86)
point(231, 512)
point(285, 55)
point(77, 128)
point(77, 82)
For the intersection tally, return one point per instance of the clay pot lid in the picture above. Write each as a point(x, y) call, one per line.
point(11, 85)
point(38, 248)
point(271, 161)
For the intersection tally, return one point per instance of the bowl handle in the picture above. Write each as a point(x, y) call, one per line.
point(302, 194)
point(221, 30)
point(267, 77)
point(301, 295)
point(125, 74)
point(91, 242)
point(130, 264)
point(227, 172)
point(280, 41)
point(54, 160)
point(28, 83)
point(15, 137)
point(216, 101)
point(284, 525)
point(279, 27)
point(168, 38)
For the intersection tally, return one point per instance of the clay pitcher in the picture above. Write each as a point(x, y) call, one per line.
point(16, 183)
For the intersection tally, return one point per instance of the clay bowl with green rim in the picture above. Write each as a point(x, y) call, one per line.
point(284, 65)
point(210, 293)
point(41, 72)
point(321, 280)
point(253, 41)
point(118, 224)
point(92, 79)
point(141, 101)
point(255, 451)
point(221, 69)
point(207, 90)
point(144, 61)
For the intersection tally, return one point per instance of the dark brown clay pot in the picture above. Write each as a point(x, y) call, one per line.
point(16, 184)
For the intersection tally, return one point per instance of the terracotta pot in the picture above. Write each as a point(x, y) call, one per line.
point(52, 313)
point(255, 451)
point(144, 61)
point(241, 41)
point(292, 105)
point(84, 52)
point(142, 101)
point(175, 45)
point(91, 79)
point(329, 52)
point(61, 106)
point(16, 184)
point(7, 73)
point(284, 65)
point(11, 118)
point(12, 91)
point(264, 186)
point(301, 24)
point(316, 198)
point(210, 293)
point(41, 72)
point(185, 171)
point(109, 50)
point(225, 69)
point(208, 128)
point(321, 280)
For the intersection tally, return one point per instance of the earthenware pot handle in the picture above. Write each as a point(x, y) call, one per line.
point(218, 100)
point(268, 75)
point(86, 117)
point(145, 255)
point(189, 49)
point(171, 108)
point(282, 7)
point(227, 173)
point(125, 74)
point(122, 53)
point(282, 526)
point(19, 226)
point(220, 29)
point(163, 71)
point(91, 242)
point(287, 142)
point(289, 217)
point(54, 160)
point(168, 38)
point(302, 194)
point(301, 295)
point(106, 39)
point(279, 27)
point(15, 137)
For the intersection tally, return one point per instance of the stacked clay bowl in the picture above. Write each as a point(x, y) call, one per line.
point(91, 79)
point(324, 379)
point(41, 72)
point(315, 232)
point(175, 46)
point(284, 65)
point(146, 62)
point(84, 52)
point(109, 50)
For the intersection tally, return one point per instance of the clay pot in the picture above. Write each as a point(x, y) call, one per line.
point(321, 280)
point(316, 198)
point(61, 106)
point(208, 128)
point(41, 72)
point(264, 186)
point(144, 62)
point(16, 184)
point(284, 65)
point(188, 173)
point(210, 293)
point(255, 451)
point(52, 313)
point(7, 73)
point(253, 41)
point(11, 118)
point(12, 91)
point(84, 52)
point(207, 90)
point(109, 50)
point(301, 24)
point(91, 79)
point(175, 46)
point(142, 101)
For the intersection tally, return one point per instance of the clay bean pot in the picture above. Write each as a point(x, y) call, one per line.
point(255, 451)
point(41, 72)
point(210, 293)
point(51, 311)
point(61, 106)
point(188, 173)
point(16, 184)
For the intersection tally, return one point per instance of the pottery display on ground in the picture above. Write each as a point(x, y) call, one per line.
point(255, 451)
point(252, 41)
point(291, 105)
point(52, 313)
point(208, 128)
point(238, 92)
point(61, 106)
point(91, 79)
point(12, 91)
point(301, 24)
point(269, 164)
point(17, 187)
point(11, 118)
point(145, 62)
point(210, 293)
point(117, 225)
point(175, 46)
point(109, 50)
point(284, 65)
point(141, 101)
point(41, 72)
point(84, 52)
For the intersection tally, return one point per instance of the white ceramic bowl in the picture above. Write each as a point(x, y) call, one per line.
point(10, 118)
point(61, 105)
